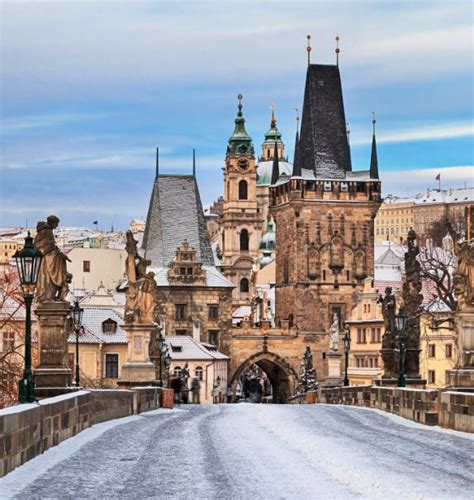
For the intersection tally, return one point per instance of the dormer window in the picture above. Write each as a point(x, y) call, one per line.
point(109, 326)
point(176, 348)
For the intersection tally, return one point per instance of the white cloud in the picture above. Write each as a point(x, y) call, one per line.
point(422, 132)
point(408, 182)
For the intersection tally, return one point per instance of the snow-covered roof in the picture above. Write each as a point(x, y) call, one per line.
point(214, 278)
point(184, 347)
point(264, 171)
point(92, 322)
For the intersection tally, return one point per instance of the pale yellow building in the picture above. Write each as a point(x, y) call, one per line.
point(91, 267)
point(394, 219)
point(366, 328)
point(438, 348)
point(204, 362)
point(8, 248)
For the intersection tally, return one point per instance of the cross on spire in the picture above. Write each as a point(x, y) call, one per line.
point(308, 48)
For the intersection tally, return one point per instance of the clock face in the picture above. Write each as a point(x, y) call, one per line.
point(242, 148)
point(243, 164)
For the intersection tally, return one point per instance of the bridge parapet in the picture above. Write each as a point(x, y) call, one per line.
point(450, 409)
point(30, 429)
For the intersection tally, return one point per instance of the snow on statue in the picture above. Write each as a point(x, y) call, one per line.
point(334, 334)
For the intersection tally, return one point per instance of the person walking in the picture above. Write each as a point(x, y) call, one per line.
point(176, 386)
point(196, 391)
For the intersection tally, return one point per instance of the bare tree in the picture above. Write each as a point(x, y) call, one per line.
point(12, 330)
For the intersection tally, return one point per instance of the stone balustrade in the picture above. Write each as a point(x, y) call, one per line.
point(30, 429)
point(450, 409)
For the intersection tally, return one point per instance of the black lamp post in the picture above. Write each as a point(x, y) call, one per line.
point(77, 311)
point(28, 261)
point(167, 363)
point(347, 347)
point(401, 319)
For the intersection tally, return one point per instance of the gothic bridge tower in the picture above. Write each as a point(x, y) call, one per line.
point(324, 215)
point(241, 221)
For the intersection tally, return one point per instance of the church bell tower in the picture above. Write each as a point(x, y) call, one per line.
point(241, 219)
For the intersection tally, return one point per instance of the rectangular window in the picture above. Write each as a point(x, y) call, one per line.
point(213, 312)
point(213, 337)
point(86, 266)
point(431, 376)
point(449, 350)
point(181, 332)
point(111, 365)
point(446, 377)
point(8, 341)
point(180, 312)
point(431, 350)
point(361, 336)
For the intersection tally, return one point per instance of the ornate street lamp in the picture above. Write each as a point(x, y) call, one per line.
point(167, 363)
point(347, 347)
point(28, 261)
point(76, 312)
point(401, 320)
point(162, 355)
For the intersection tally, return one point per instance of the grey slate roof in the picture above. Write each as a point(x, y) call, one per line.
point(175, 214)
point(323, 145)
point(191, 349)
point(92, 327)
point(214, 278)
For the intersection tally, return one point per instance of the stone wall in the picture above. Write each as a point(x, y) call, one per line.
point(30, 429)
point(453, 410)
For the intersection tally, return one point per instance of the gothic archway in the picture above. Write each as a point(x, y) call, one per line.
point(282, 377)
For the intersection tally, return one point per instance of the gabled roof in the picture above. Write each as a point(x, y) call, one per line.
point(214, 278)
point(175, 214)
point(323, 145)
point(186, 348)
point(92, 327)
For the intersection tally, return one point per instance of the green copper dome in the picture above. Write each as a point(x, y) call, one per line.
point(240, 143)
point(273, 134)
point(268, 241)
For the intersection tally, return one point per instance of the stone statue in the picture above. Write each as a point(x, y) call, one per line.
point(464, 275)
point(334, 333)
point(53, 279)
point(412, 300)
point(389, 306)
point(308, 358)
point(142, 289)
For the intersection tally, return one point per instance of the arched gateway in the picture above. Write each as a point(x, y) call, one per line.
point(281, 375)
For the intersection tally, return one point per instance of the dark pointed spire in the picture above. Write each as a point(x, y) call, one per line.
point(194, 162)
point(374, 165)
point(157, 165)
point(276, 166)
point(296, 164)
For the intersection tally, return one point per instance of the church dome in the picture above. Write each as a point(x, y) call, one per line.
point(268, 241)
point(264, 171)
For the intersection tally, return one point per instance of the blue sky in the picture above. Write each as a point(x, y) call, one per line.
point(89, 89)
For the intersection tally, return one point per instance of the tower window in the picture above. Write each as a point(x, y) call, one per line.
point(243, 190)
point(244, 285)
point(244, 240)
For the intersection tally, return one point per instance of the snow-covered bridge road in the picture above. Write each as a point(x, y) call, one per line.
point(248, 451)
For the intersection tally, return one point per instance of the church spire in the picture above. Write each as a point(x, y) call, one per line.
point(240, 143)
point(276, 166)
point(374, 165)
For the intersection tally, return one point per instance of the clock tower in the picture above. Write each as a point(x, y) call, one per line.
point(242, 221)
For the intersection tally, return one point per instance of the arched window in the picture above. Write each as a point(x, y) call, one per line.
point(243, 190)
point(244, 240)
point(198, 372)
point(177, 371)
point(244, 285)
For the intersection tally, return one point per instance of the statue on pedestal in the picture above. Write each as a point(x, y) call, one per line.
point(464, 275)
point(141, 292)
point(412, 299)
point(334, 334)
point(53, 279)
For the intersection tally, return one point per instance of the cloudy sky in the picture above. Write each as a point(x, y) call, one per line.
point(89, 89)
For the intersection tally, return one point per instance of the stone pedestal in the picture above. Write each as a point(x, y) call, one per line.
point(462, 377)
point(138, 368)
point(334, 378)
point(53, 372)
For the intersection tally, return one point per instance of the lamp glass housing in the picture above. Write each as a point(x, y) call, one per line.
point(401, 319)
point(28, 261)
point(347, 342)
point(77, 313)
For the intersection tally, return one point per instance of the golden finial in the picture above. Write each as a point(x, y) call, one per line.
point(297, 118)
point(308, 48)
point(337, 51)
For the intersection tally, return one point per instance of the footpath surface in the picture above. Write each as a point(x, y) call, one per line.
point(253, 451)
